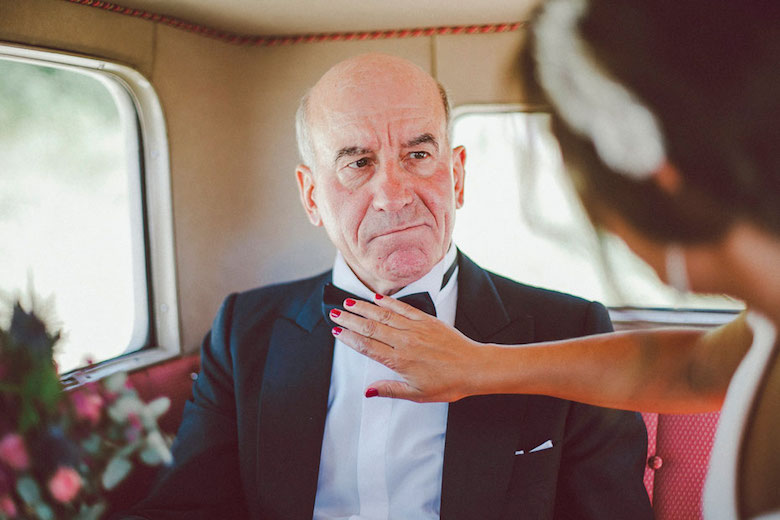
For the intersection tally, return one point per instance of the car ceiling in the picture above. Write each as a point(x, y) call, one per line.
point(295, 17)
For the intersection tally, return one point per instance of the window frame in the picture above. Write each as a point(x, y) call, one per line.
point(623, 317)
point(163, 338)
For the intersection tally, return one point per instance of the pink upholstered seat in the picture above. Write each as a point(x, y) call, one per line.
point(173, 379)
point(677, 456)
point(679, 448)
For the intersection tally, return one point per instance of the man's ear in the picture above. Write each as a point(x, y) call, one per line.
point(459, 173)
point(305, 178)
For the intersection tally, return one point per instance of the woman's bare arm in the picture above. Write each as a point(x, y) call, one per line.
point(680, 370)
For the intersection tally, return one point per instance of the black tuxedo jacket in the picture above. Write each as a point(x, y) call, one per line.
point(250, 440)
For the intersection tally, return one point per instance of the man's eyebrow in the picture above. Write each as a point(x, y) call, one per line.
point(420, 139)
point(351, 151)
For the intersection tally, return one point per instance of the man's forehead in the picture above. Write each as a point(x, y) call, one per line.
point(397, 117)
point(373, 129)
point(370, 99)
point(373, 100)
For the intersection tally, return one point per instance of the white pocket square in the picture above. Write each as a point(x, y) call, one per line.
point(546, 445)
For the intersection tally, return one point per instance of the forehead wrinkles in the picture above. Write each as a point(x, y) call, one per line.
point(373, 130)
point(377, 121)
point(395, 99)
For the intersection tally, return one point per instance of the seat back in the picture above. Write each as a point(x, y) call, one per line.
point(678, 452)
point(678, 446)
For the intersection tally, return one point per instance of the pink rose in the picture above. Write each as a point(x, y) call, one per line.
point(7, 506)
point(65, 484)
point(88, 406)
point(13, 452)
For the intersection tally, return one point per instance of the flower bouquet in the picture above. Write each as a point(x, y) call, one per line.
point(60, 452)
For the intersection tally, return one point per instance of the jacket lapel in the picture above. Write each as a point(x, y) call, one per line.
point(293, 406)
point(482, 431)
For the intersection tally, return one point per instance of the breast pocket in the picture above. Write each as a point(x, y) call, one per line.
point(537, 463)
point(531, 492)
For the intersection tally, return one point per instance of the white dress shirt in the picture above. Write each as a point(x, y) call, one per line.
point(382, 458)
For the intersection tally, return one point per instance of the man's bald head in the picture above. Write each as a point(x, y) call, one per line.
point(359, 75)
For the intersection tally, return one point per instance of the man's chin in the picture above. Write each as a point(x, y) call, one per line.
point(404, 266)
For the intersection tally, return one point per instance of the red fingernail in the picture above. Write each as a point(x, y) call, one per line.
point(372, 392)
point(336, 331)
point(335, 313)
point(378, 296)
point(349, 302)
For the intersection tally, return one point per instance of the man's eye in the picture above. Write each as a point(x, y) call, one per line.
point(360, 163)
point(419, 155)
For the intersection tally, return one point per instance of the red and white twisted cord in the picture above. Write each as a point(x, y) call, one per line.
point(270, 41)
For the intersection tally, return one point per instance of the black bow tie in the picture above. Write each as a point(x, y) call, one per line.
point(333, 298)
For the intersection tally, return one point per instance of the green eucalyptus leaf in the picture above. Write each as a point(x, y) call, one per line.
point(124, 406)
point(115, 472)
point(158, 407)
point(92, 512)
point(156, 443)
point(43, 511)
point(150, 456)
point(115, 382)
point(28, 490)
point(91, 444)
point(149, 421)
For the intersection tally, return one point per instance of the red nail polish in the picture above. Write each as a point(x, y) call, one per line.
point(336, 331)
point(372, 392)
point(378, 297)
point(349, 302)
point(335, 313)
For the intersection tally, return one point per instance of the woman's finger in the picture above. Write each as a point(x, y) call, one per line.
point(373, 312)
point(394, 389)
point(397, 306)
point(376, 350)
point(369, 328)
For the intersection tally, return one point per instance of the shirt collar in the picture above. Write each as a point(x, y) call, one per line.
point(344, 278)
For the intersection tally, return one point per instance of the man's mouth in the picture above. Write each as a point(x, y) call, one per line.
point(399, 230)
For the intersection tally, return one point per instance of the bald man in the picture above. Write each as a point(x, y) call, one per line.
point(279, 428)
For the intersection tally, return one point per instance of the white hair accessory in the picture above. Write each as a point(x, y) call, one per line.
point(676, 269)
point(625, 133)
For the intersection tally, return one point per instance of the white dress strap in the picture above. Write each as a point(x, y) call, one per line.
point(720, 492)
point(769, 516)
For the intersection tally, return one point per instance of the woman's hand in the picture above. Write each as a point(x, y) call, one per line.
point(435, 360)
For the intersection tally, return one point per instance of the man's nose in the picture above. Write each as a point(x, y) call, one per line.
point(393, 189)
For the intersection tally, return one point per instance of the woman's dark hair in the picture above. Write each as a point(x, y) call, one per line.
point(710, 72)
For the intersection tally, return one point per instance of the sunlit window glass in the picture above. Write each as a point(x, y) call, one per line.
point(71, 218)
point(522, 219)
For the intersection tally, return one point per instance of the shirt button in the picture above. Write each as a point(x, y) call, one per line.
point(655, 462)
